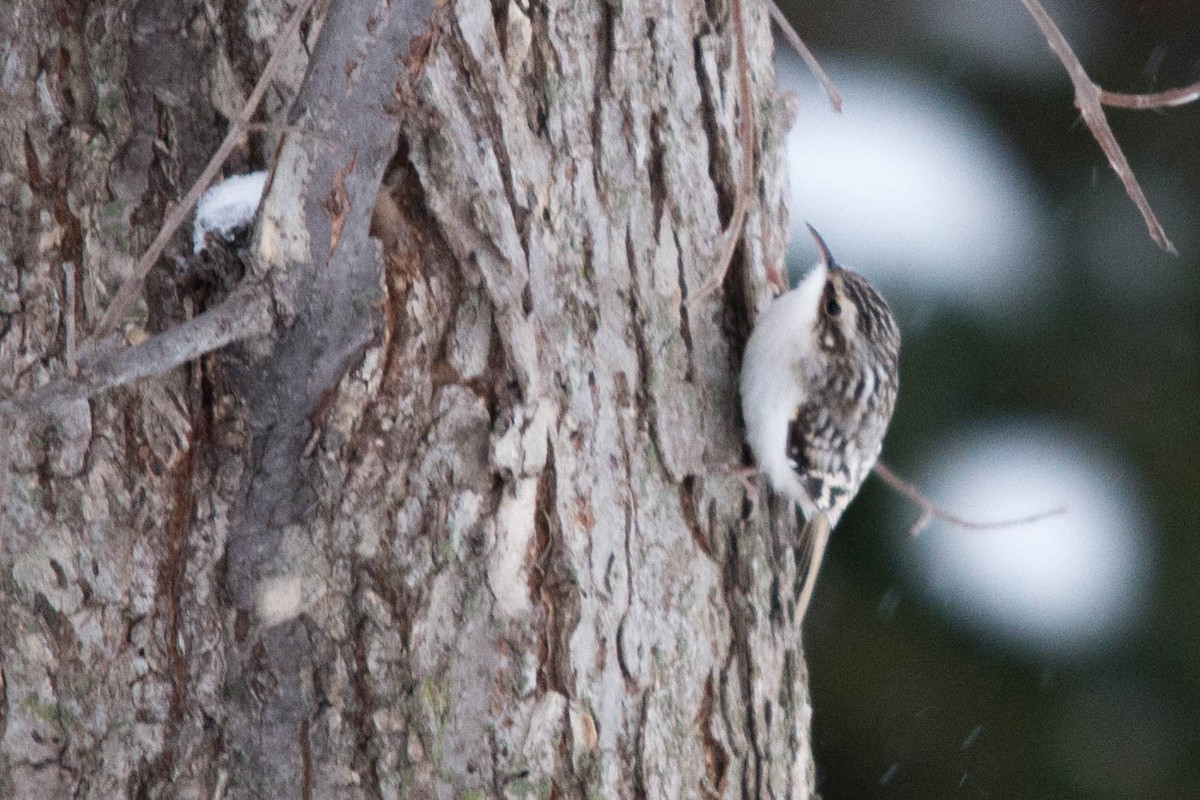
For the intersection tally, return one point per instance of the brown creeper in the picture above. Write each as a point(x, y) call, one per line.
point(819, 380)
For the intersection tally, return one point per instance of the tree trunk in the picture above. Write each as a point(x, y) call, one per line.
point(463, 526)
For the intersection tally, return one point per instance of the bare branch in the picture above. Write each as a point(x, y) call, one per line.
point(814, 66)
point(1088, 101)
point(130, 288)
point(243, 315)
point(741, 201)
point(1168, 99)
point(931, 511)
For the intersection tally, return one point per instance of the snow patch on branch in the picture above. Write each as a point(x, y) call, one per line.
point(228, 206)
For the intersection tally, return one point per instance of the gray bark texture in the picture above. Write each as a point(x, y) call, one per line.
point(462, 524)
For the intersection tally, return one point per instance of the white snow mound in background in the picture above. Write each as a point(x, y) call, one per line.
point(1067, 586)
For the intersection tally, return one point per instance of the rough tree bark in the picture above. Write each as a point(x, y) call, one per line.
point(462, 527)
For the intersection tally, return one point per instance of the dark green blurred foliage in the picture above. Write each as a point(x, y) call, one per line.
point(906, 705)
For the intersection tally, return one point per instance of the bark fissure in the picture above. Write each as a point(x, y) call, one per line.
point(644, 397)
point(788, 703)
point(688, 497)
point(602, 92)
point(716, 759)
point(631, 684)
point(685, 325)
point(489, 118)
point(3, 703)
point(632, 533)
point(639, 748)
point(171, 586)
point(547, 582)
point(656, 172)
point(306, 761)
point(365, 761)
point(719, 159)
point(740, 650)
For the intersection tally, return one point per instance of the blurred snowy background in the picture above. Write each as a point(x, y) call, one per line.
point(1050, 358)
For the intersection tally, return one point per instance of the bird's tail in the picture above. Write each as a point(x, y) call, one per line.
point(814, 537)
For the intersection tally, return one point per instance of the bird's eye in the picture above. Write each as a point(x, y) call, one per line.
point(832, 308)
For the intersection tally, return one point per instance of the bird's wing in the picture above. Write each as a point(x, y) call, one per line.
point(812, 455)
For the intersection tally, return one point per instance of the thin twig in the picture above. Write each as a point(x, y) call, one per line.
point(176, 217)
point(814, 66)
point(1088, 101)
point(243, 315)
point(931, 511)
point(1168, 99)
point(741, 200)
point(68, 268)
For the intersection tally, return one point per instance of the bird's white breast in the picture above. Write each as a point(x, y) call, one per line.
point(772, 384)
